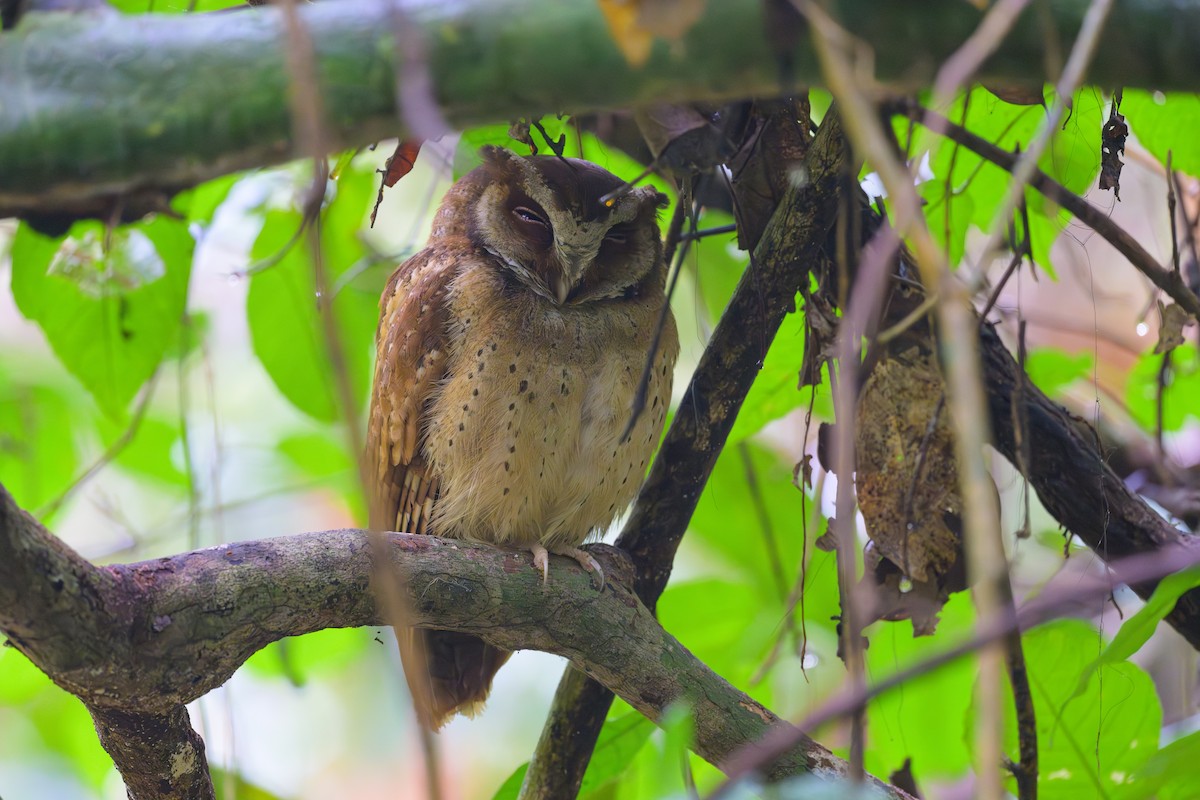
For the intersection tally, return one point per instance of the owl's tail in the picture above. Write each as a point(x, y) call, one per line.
point(449, 673)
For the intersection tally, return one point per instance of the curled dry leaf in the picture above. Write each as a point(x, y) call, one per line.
point(401, 162)
point(1017, 95)
point(1170, 331)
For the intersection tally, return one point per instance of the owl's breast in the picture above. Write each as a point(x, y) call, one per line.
point(525, 431)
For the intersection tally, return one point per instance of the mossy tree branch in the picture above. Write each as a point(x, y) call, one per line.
point(102, 113)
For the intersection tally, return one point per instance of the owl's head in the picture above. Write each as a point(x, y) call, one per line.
point(542, 218)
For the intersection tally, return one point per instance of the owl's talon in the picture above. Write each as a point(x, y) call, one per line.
point(588, 562)
point(541, 560)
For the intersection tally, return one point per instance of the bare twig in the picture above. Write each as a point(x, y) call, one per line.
point(959, 345)
point(1077, 598)
point(1095, 219)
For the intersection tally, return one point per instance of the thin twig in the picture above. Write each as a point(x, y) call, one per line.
point(964, 380)
point(1086, 213)
point(113, 450)
point(1076, 598)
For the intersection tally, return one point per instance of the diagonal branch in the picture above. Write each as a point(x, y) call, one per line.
point(136, 642)
point(766, 293)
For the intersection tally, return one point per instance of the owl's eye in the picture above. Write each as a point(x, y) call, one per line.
point(529, 215)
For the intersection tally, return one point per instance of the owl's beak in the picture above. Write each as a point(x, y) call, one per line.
point(562, 288)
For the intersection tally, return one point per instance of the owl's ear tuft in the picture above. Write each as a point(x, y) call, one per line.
point(496, 155)
point(649, 196)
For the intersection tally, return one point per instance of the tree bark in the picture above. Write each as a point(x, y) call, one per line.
point(101, 112)
point(135, 642)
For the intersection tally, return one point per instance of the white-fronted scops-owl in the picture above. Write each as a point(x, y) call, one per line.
point(509, 353)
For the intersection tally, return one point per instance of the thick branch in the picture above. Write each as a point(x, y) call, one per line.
point(158, 634)
point(790, 239)
point(1075, 483)
point(94, 105)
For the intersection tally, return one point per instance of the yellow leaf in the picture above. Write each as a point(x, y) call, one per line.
point(634, 23)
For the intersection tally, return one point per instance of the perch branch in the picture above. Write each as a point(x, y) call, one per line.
point(135, 642)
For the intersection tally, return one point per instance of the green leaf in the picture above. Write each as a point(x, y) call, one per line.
point(109, 311)
point(718, 264)
point(1051, 370)
point(466, 154)
point(50, 719)
point(241, 789)
point(148, 452)
point(678, 731)
point(200, 203)
point(1091, 745)
point(1169, 774)
point(316, 455)
point(323, 458)
point(281, 306)
point(776, 391)
point(1073, 159)
point(620, 740)
point(38, 453)
point(1181, 401)
point(727, 521)
point(300, 658)
point(1165, 123)
point(1136, 630)
point(900, 721)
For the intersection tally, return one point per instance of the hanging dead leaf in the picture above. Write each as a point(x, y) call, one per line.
point(802, 472)
point(401, 162)
point(1170, 331)
point(1112, 146)
point(907, 484)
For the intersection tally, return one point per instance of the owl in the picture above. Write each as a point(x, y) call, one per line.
point(509, 353)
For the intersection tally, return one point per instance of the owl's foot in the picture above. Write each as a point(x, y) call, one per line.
point(541, 560)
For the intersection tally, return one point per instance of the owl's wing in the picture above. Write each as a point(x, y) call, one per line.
point(411, 355)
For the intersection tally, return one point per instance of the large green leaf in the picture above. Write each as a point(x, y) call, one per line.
point(110, 309)
point(1089, 744)
point(299, 658)
point(1136, 631)
point(1052, 370)
point(37, 717)
point(1169, 774)
point(727, 516)
point(38, 453)
point(926, 718)
point(286, 330)
point(1181, 401)
point(962, 178)
point(1165, 124)
point(148, 450)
